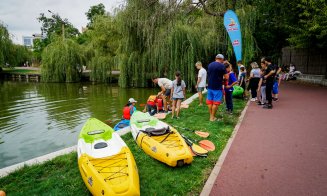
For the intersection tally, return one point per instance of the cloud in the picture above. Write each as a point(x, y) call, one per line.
point(20, 16)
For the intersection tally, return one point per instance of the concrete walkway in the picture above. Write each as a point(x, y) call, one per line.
point(282, 151)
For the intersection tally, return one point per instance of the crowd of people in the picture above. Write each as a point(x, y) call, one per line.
point(262, 82)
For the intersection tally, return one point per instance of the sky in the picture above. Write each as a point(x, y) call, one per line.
point(20, 16)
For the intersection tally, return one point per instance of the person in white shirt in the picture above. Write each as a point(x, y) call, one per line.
point(165, 85)
point(201, 82)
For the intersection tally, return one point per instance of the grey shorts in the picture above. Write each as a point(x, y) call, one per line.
point(200, 89)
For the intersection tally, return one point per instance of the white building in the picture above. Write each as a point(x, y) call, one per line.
point(28, 40)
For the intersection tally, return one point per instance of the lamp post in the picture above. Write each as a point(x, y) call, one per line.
point(62, 25)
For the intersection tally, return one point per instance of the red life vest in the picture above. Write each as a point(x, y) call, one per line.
point(127, 112)
point(160, 104)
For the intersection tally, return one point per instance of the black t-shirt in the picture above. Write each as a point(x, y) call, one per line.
point(270, 68)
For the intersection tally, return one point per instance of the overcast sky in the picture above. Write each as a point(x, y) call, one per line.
point(20, 16)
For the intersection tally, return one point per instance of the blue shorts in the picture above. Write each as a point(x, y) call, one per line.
point(275, 88)
point(214, 97)
point(167, 93)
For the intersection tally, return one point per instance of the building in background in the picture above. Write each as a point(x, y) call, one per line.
point(28, 40)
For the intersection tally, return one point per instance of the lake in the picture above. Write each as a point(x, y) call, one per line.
point(40, 118)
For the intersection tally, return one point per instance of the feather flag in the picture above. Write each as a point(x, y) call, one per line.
point(233, 29)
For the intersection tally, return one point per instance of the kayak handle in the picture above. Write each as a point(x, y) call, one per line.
point(95, 132)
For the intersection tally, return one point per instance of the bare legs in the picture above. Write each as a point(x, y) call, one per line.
point(177, 107)
point(164, 102)
point(212, 110)
point(200, 98)
point(179, 101)
point(173, 109)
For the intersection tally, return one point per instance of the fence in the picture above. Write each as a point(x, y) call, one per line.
point(308, 61)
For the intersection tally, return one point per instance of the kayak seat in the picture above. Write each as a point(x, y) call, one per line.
point(156, 132)
point(122, 125)
point(100, 145)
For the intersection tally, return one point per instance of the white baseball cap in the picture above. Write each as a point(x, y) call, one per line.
point(220, 56)
point(132, 100)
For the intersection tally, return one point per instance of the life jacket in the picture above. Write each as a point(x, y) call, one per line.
point(152, 100)
point(160, 104)
point(127, 112)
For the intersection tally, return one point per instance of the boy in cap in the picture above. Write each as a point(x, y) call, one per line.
point(129, 109)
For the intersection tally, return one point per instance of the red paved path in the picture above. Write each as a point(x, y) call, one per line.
point(282, 151)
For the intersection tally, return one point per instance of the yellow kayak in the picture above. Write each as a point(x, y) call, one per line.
point(159, 140)
point(106, 164)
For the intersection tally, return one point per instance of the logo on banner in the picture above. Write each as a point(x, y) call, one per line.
point(236, 42)
point(232, 26)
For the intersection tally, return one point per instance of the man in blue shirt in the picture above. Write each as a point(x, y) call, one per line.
point(216, 75)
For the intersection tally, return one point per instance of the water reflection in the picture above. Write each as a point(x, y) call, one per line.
point(39, 118)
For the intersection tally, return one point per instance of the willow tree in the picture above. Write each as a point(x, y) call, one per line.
point(13, 54)
point(102, 47)
point(164, 36)
point(5, 44)
point(161, 38)
point(62, 61)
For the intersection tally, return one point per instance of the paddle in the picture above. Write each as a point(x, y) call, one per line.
point(208, 145)
point(199, 133)
point(160, 116)
point(196, 149)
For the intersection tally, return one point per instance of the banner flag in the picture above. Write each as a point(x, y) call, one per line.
point(233, 29)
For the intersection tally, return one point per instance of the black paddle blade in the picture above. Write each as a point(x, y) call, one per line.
point(188, 141)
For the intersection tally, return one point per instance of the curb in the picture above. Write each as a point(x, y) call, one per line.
point(41, 159)
point(215, 171)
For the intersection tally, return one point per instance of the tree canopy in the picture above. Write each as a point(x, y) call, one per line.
point(10, 53)
point(94, 11)
point(146, 37)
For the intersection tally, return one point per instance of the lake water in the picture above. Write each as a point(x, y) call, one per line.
point(40, 118)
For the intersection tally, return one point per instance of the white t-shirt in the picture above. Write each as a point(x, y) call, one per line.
point(166, 83)
point(203, 75)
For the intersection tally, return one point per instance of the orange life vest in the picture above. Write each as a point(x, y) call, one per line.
point(127, 112)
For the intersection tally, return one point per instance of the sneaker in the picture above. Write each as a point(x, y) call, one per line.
point(259, 103)
point(267, 106)
point(275, 99)
point(252, 99)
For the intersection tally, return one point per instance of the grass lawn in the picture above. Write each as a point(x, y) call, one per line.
point(61, 176)
point(20, 71)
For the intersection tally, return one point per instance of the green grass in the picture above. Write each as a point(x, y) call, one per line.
point(19, 71)
point(60, 176)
